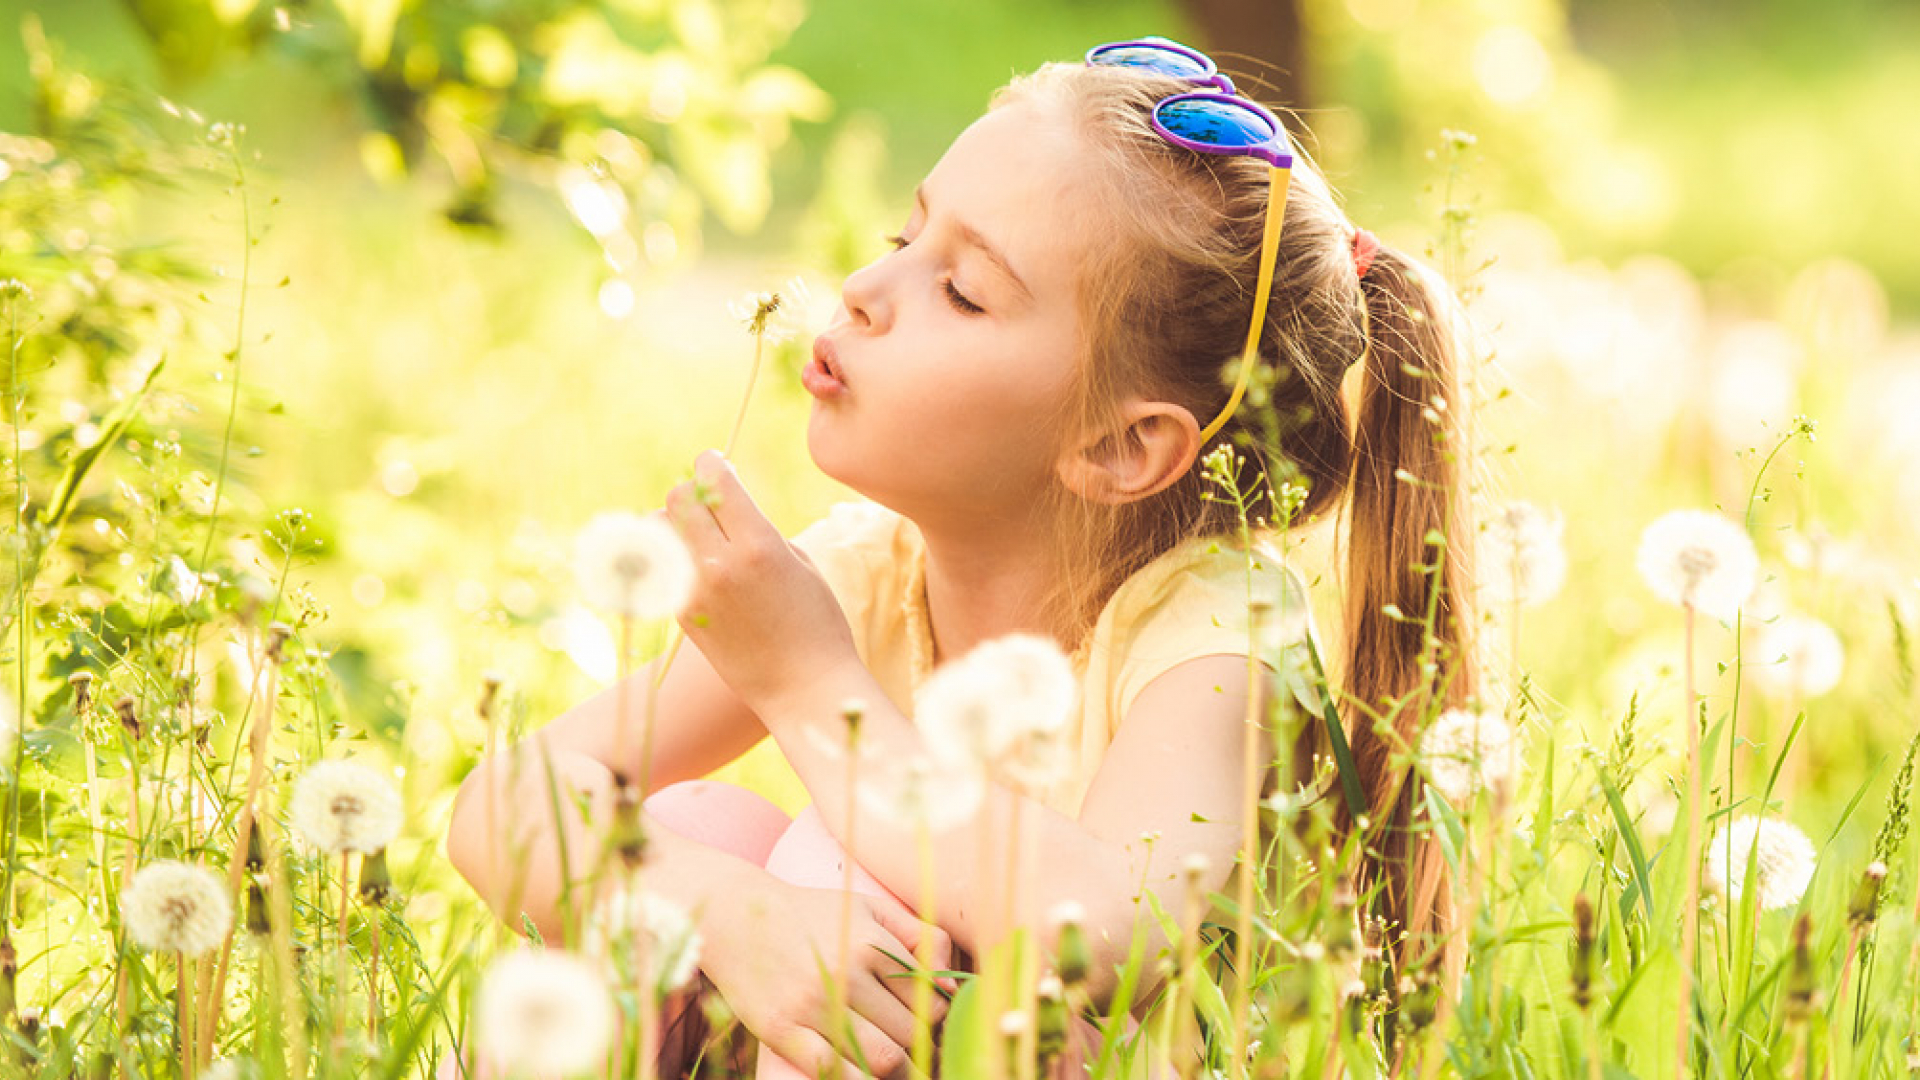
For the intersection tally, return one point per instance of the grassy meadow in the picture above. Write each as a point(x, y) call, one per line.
point(297, 461)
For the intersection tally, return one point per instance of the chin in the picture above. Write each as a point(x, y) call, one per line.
point(830, 453)
point(848, 466)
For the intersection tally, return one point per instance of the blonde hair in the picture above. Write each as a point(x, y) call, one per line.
point(1164, 300)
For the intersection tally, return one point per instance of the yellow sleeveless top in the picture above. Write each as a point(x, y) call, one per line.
point(1190, 602)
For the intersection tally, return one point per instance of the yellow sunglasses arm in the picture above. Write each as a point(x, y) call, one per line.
point(1277, 183)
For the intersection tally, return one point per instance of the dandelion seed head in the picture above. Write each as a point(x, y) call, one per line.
point(344, 806)
point(673, 939)
point(1699, 559)
point(1783, 860)
point(1465, 750)
point(935, 792)
point(1006, 705)
point(773, 316)
point(1797, 655)
point(633, 566)
point(176, 907)
point(1521, 557)
point(542, 1012)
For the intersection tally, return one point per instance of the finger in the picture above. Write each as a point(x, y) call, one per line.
point(909, 928)
point(886, 996)
point(736, 511)
point(809, 1051)
point(694, 521)
point(884, 1003)
point(876, 1052)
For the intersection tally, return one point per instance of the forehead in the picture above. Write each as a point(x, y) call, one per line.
point(1012, 176)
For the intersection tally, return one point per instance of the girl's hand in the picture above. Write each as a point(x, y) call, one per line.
point(760, 613)
point(784, 942)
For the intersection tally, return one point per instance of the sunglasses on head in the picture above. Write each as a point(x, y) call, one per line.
point(1216, 121)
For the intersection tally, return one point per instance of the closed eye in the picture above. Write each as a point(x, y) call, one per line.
point(954, 299)
point(961, 303)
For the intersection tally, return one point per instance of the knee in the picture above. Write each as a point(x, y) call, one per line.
point(720, 815)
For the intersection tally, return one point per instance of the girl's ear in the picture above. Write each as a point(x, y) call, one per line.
point(1151, 447)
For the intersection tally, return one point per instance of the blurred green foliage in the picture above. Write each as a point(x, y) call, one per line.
point(455, 282)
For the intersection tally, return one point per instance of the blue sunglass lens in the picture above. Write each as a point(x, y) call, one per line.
point(1214, 122)
point(1166, 61)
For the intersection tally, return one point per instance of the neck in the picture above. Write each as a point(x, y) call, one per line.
point(986, 581)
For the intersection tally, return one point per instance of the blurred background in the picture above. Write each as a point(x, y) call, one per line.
point(464, 267)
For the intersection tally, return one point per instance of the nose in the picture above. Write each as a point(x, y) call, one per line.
point(865, 294)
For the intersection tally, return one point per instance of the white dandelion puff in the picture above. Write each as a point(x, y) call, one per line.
point(633, 566)
point(1782, 855)
point(1005, 705)
point(1699, 559)
point(1465, 750)
point(343, 806)
point(672, 937)
point(176, 907)
point(1521, 557)
point(1798, 655)
point(541, 1012)
point(925, 790)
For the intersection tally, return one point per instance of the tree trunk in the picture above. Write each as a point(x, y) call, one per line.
point(1260, 44)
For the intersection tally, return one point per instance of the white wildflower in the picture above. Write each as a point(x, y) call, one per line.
point(673, 939)
point(924, 789)
point(176, 907)
point(633, 566)
point(182, 583)
point(1797, 655)
point(1699, 559)
point(1006, 705)
point(542, 1012)
point(342, 806)
point(224, 1069)
point(1521, 557)
point(1783, 861)
point(1067, 912)
point(1464, 750)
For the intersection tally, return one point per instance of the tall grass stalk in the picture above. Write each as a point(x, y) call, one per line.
point(14, 291)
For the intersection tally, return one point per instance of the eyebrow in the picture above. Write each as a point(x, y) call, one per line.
point(973, 236)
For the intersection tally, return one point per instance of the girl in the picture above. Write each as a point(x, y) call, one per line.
point(1026, 387)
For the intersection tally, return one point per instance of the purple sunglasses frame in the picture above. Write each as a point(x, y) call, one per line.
point(1276, 151)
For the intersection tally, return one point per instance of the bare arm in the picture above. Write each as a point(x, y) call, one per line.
point(528, 828)
point(1174, 770)
point(699, 723)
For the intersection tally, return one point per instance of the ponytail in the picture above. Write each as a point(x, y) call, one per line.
point(1408, 485)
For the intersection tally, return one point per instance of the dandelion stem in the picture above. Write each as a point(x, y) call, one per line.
point(23, 588)
point(620, 702)
point(259, 739)
point(753, 376)
point(1690, 905)
point(183, 1015)
point(844, 966)
point(733, 440)
point(923, 984)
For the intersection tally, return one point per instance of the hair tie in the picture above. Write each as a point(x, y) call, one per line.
point(1365, 244)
